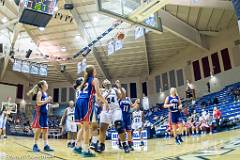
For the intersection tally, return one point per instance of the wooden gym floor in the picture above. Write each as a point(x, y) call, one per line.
point(225, 145)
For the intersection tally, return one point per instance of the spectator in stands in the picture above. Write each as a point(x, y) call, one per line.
point(205, 122)
point(208, 87)
point(194, 122)
point(215, 100)
point(236, 94)
point(190, 91)
point(185, 111)
point(217, 116)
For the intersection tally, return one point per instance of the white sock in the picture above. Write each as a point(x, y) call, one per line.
point(85, 147)
point(94, 139)
point(45, 143)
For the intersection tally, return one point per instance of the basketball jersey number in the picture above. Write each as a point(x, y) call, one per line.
point(111, 100)
point(85, 89)
point(125, 108)
point(175, 106)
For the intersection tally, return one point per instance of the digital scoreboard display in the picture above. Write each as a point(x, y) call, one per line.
point(43, 70)
point(17, 65)
point(36, 12)
point(45, 6)
point(25, 67)
point(34, 69)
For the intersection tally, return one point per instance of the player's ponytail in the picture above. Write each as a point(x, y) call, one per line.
point(36, 88)
point(88, 72)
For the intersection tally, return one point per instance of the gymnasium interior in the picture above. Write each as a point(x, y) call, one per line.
point(150, 46)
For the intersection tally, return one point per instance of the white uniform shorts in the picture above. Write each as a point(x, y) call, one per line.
point(137, 126)
point(3, 121)
point(71, 126)
point(111, 116)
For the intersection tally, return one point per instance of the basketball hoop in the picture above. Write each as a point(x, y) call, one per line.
point(120, 36)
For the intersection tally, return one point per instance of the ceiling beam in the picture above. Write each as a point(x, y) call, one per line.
point(81, 28)
point(227, 5)
point(6, 60)
point(5, 25)
point(146, 53)
point(182, 30)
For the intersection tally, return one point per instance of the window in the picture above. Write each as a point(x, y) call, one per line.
point(216, 64)
point(158, 83)
point(56, 95)
point(71, 94)
point(63, 94)
point(206, 67)
point(226, 59)
point(172, 78)
point(180, 78)
point(165, 81)
point(144, 88)
point(133, 90)
point(196, 70)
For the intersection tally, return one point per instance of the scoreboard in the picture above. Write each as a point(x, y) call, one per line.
point(36, 12)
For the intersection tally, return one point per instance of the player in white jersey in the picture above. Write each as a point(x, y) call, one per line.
point(137, 120)
point(112, 115)
point(70, 125)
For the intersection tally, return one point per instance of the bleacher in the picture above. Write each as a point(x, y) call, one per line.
point(230, 109)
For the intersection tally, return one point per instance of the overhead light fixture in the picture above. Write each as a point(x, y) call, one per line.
point(63, 49)
point(41, 29)
point(95, 19)
point(78, 36)
point(55, 9)
point(4, 19)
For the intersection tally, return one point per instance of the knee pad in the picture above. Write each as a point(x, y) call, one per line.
point(119, 126)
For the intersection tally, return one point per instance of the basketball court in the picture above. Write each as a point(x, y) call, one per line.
point(218, 146)
point(147, 47)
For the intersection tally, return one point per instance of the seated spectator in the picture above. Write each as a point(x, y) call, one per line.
point(217, 116)
point(205, 122)
point(185, 111)
point(215, 100)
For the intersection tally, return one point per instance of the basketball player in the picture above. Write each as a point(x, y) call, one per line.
point(138, 120)
point(6, 109)
point(174, 104)
point(113, 115)
point(84, 109)
point(40, 123)
point(194, 123)
point(70, 125)
point(95, 125)
point(126, 105)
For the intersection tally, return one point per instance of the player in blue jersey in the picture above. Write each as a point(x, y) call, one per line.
point(40, 123)
point(126, 105)
point(174, 104)
point(84, 109)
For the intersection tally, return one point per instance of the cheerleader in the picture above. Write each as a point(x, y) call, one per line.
point(40, 123)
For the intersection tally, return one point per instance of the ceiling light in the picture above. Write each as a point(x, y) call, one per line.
point(95, 19)
point(55, 9)
point(63, 49)
point(41, 29)
point(78, 36)
point(4, 19)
